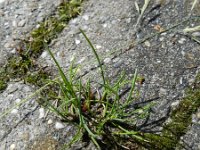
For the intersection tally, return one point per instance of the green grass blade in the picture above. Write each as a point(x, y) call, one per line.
point(64, 78)
point(96, 55)
point(132, 86)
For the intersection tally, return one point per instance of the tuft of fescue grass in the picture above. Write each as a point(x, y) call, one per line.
point(104, 117)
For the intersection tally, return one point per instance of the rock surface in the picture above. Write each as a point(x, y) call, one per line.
point(169, 62)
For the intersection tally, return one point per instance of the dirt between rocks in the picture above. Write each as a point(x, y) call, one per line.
point(169, 62)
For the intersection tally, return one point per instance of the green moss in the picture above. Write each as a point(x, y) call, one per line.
point(3, 79)
point(3, 85)
point(38, 78)
point(21, 65)
point(49, 29)
point(18, 66)
point(181, 119)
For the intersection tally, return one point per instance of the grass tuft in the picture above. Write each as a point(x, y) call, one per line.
point(102, 117)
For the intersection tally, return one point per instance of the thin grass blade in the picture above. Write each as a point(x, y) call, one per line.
point(96, 55)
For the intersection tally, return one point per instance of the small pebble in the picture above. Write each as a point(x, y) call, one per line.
point(161, 39)
point(181, 80)
point(77, 41)
point(183, 53)
point(107, 60)
point(198, 115)
point(44, 54)
point(74, 21)
point(147, 43)
point(182, 41)
point(86, 17)
point(21, 23)
point(59, 125)
point(50, 121)
point(14, 23)
point(158, 61)
point(174, 104)
point(14, 111)
point(197, 34)
point(12, 146)
point(98, 46)
point(105, 25)
point(41, 113)
point(17, 100)
point(128, 20)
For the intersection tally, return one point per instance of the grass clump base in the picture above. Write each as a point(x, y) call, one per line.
point(102, 115)
point(108, 120)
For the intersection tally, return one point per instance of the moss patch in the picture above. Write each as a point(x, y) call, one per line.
point(181, 119)
point(22, 64)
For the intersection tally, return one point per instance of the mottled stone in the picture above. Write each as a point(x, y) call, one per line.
point(59, 125)
point(21, 23)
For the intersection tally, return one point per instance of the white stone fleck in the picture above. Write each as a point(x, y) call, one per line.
point(12, 146)
point(14, 23)
point(14, 111)
point(198, 115)
point(37, 26)
point(77, 41)
point(161, 39)
point(196, 34)
point(128, 20)
point(98, 46)
point(147, 43)
point(17, 100)
point(182, 41)
point(107, 60)
point(164, 33)
point(44, 54)
point(21, 23)
point(158, 61)
point(74, 21)
point(50, 121)
point(174, 104)
point(105, 25)
point(86, 17)
point(183, 53)
point(181, 80)
point(59, 125)
point(6, 24)
point(41, 113)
